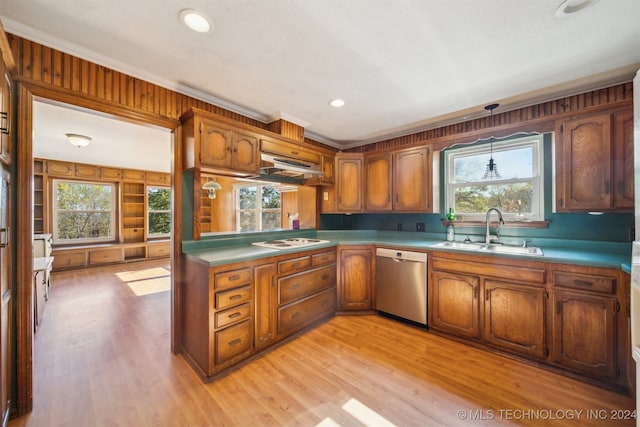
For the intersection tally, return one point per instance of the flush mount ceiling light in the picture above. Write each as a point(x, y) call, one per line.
point(336, 103)
point(195, 20)
point(78, 140)
point(569, 7)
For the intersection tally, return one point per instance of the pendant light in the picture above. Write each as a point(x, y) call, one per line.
point(491, 171)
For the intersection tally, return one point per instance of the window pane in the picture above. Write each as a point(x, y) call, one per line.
point(159, 199)
point(270, 220)
point(159, 223)
point(79, 196)
point(248, 197)
point(512, 163)
point(247, 221)
point(509, 198)
point(270, 197)
point(83, 225)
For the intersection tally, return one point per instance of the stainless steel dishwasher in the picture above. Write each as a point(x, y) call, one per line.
point(401, 284)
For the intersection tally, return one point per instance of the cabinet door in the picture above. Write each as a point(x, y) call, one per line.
point(5, 116)
point(349, 184)
point(454, 304)
point(328, 166)
point(215, 145)
point(412, 180)
point(586, 163)
point(5, 295)
point(377, 176)
point(355, 279)
point(584, 330)
point(623, 160)
point(245, 153)
point(514, 317)
point(265, 304)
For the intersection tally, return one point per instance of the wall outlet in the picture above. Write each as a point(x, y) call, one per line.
point(325, 195)
point(419, 226)
point(632, 234)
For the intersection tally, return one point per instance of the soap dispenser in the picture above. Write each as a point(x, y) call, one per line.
point(450, 233)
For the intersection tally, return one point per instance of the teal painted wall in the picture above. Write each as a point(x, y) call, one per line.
point(610, 227)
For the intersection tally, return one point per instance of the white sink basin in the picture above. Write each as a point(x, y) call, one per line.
point(494, 248)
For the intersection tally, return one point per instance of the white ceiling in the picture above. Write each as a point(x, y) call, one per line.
point(400, 65)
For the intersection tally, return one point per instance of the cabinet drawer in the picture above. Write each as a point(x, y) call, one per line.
point(159, 250)
point(295, 264)
point(323, 258)
point(233, 297)
point(585, 282)
point(232, 315)
point(69, 259)
point(233, 341)
point(289, 151)
point(158, 178)
point(524, 274)
point(294, 317)
point(105, 255)
point(229, 279)
point(298, 286)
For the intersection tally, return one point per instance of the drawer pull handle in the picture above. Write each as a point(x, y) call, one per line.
point(582, 283)
point(296, 286)
point(235, 342)
point(4, 122)
point(295, 265)
point(234, 315)
point(234, 277)
point(235, 297)
point(325, 276)
point(295, 315)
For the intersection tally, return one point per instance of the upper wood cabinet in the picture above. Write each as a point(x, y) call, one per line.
point(212, 145)
point(349, 182)
point(595, 162)
point(6, 114)
point(398, 181)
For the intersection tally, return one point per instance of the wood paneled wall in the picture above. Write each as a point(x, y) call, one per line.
point(572, 105)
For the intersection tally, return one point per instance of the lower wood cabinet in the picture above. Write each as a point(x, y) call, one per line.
point(232, 312)
point(356, 278)
point(567, 316)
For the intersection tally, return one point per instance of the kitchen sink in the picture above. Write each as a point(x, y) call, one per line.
point(494, 248)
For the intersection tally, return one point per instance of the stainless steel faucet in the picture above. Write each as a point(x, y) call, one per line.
point(488, 237)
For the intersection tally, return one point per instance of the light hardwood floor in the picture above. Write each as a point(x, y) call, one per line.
point(102, 358)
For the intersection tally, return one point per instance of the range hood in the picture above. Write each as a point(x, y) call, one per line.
point(277, 166)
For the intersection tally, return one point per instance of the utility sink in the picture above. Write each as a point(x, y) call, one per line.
point(494, 248)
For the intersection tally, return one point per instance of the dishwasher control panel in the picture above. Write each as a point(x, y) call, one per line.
point(406, 255)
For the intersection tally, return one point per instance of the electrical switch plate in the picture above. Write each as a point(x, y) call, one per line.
point(325, 195)
point(419, 226)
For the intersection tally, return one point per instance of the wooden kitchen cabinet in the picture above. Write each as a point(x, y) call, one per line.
point(349, 188)
point(6, 294)
point(356, 278)
point(378, 183)
point(595, 162)
point(412, 180)
point(514, 317)
point(584, 330)
point(6, 114)
point(266, 302)
point(454, 304)
point(399, 181)
point(214, 145)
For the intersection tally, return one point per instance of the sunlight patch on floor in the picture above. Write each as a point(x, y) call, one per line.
point(147, 281)
point(362, 413)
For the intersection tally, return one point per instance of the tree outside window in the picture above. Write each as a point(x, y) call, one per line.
point(158, 211)
point(258, 207)
point(83, 211)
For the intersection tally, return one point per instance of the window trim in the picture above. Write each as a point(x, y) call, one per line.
point(536, 141)
point(150, 211)
point(114, 214)
point(258, 212)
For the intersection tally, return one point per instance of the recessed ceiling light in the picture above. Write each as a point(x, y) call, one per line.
point(569, 7)
point(337, 103)
point(195, 20)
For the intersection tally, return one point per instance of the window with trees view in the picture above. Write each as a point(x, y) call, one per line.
point(83, 212)
point(257, 207)
point(517, 191)
point(158, 211)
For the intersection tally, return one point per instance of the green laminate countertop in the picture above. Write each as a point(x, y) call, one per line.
point(228, 250)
